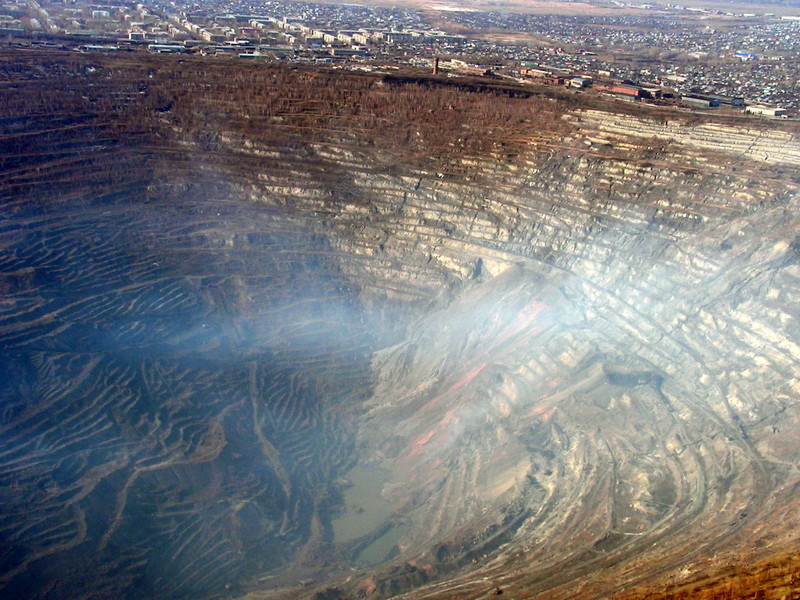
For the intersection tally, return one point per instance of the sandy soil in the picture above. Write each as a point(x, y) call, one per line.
point(567, 8)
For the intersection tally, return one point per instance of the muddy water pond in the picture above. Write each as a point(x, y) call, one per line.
point(367, 513)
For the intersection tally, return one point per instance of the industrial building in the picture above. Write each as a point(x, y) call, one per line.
point(726, 100)
point(696, 102)
point(766, 111)
point(627, 89)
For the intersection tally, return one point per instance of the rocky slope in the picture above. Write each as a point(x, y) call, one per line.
point(271, 333)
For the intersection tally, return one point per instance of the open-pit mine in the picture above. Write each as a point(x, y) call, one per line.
point(279, 333)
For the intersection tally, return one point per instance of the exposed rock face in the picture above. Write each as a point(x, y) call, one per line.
point(562, 361)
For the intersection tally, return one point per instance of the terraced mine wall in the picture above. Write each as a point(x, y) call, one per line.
point(295, 333)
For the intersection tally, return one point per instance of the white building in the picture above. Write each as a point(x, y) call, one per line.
point(766, 111)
